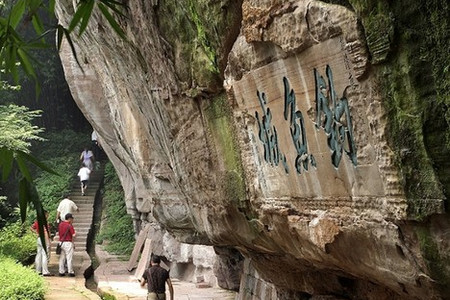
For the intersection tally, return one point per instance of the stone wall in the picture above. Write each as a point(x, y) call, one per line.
point(269, 128)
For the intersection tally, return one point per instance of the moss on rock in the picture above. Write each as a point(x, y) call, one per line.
point(409, 42)
point(199, 32)
point(437, 263)
point(219, 118)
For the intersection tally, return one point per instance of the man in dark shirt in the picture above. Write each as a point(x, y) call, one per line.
point(156, 278)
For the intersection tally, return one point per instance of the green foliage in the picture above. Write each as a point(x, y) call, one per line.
point(117, 227)
point(17, 129)
point(107, 296)
point(15, 123)
point(17, 242)
point(15, 48)
point(19, 283)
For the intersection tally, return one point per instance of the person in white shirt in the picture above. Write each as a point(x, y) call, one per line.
point(87, 158)
point(83, 173)
point(66, 206)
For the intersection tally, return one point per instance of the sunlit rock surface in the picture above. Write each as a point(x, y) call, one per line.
point(263, 127)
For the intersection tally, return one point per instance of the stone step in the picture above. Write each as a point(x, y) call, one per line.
point(91, 186)
point(78, 240)
point(78, 244)
point(85, 201)
point(79, 231)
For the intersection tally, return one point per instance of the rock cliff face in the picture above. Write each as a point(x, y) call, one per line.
point(291, 131)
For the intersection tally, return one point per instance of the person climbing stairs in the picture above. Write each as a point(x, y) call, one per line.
point(68, 287)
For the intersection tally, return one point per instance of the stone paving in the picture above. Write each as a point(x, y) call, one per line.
point(113, 278)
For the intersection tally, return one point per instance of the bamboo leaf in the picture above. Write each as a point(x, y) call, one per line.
point(11, 66)
point(7, 159)
point(37, 45)
point(24, 195)
point(34, 5)
point(81, 10)
point(72, 47)
point(111, 20)
point(60, 34)
point(26, 65)
point(40, 213)
point(23, 167)
point(37, 24)
point(113, 2)
point(44, 34)
point(51, 7)
point(114, 6)
point(37, 88)
point(17, 13)
point(38, 163)
point(86, 16)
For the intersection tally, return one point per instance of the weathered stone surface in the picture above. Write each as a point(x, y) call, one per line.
point(290, 160)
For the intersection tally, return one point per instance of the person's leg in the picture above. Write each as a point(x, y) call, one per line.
point(68, 247)
point(82, 187)
point(62, 259)
point(45, 257)
point(151, 296)
point(38, 260)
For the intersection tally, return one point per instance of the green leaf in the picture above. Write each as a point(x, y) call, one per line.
point(37, 88)
point(60, 33)
point(86, 16)
point(11, 66)
point(111, 20)
point(81, 10)
point(72, 47)
point(23, 167)
point(38, 163)
point(37, 24)
point(37, 45)
point(26, 65)
point(24, 196)
point(6, 160)
point(34, 5)
point(113, 5)
point(17, 13)
point(40, 214)
point(51, 7)
point(112, 2)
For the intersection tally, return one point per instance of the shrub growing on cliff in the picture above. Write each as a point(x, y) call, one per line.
point(117, 227)
point(18, 282)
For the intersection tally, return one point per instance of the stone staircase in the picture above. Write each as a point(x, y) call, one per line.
point(74, 288)
point(83, 219)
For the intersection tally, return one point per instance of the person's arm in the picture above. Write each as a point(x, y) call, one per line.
point(169, 283)
point(142, 281)
point(72, 231)
point(33, 228)
point(58, 215)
